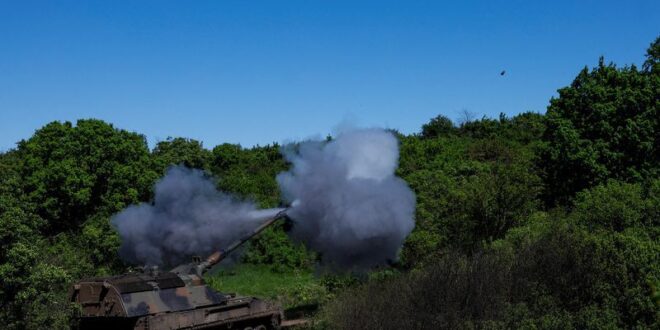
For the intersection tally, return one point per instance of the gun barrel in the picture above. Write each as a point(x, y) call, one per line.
point(217, 256)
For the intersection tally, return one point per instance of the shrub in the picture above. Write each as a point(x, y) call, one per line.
point(561, 277)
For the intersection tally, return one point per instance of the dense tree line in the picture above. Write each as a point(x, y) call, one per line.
point(535, 221)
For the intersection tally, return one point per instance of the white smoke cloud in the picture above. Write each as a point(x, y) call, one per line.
point(349, 206)
point(187, 217)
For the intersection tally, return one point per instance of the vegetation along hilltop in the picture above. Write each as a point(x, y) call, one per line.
point(535, 221)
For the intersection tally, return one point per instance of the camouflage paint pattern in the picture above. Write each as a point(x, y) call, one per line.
point(178, 299)
point(137, 301)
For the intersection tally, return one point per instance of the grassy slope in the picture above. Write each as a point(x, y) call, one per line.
point(296, 290)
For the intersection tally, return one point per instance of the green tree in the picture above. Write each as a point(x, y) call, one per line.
point(544, 275)
point(187, 152)
point(652, 62)
point(470, 189)
point(605, 125)
point(72, 172)
point(493, 202)
point(438, 126)
point(483, 128)
point(526, 128)
point(17, 222)
point(249, 173)
point(32, 291)
point(616, 206)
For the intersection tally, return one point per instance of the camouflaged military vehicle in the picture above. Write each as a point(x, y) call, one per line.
point(177, 299)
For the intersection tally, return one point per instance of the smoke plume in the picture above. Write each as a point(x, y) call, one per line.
point(347, 202)
point(187, 217)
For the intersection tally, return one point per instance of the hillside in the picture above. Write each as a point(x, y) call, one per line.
point(534, 221)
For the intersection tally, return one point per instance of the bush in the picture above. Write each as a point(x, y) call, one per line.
point(616, 206)
point(455, 292)
point(560, 277)
point(274, 248)
point(603, 126)
point(437, 127)
point(33, 291)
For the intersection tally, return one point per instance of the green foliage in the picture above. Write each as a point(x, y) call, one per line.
point(572, 270)
point(249, 173)
point(180, 151)
point(32, 291)
point(535, 221)
point(524, 128)
point(100, 242)
point(439, 126)
point(470, 190)
point(495, 201)
point(17, 221)
point(275, 249)
point(604, 126)
point(484, 253)
point(617, 206)
point(454, 290)
point(652, 63)
point(16, 226)
point(564, 277)
point(71, 173)
point(291, 288)
point(57, 191)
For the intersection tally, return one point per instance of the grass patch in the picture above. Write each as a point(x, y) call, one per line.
point(295, 290)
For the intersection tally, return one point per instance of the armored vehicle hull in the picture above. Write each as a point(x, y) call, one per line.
point(178, 299)
point(123, 302)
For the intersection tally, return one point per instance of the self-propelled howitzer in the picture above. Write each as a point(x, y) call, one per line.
point(176, 299)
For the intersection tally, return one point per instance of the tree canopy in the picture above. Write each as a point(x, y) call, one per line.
point(603, 126)
point(533, 221)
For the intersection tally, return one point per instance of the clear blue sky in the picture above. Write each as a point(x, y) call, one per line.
point(256, 72)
